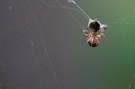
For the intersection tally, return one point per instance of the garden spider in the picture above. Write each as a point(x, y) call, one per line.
point(96, 28)
point(96, 32)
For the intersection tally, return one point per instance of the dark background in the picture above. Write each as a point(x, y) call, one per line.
point(42, 45)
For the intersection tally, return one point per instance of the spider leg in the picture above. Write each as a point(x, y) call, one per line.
point(102, 35)
point(86, 32)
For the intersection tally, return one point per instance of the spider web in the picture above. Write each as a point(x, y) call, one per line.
point(42, 45)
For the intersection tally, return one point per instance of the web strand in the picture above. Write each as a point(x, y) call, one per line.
point(79, 8)
point(45, 49)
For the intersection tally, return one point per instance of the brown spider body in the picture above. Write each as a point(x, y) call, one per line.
point(92, 38)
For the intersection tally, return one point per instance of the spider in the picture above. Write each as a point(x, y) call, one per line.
point(96, 32)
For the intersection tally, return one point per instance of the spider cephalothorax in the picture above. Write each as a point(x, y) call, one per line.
point(94, 26)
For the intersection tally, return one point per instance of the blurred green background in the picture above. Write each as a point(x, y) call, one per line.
point(43, 45)
point(111, 65)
